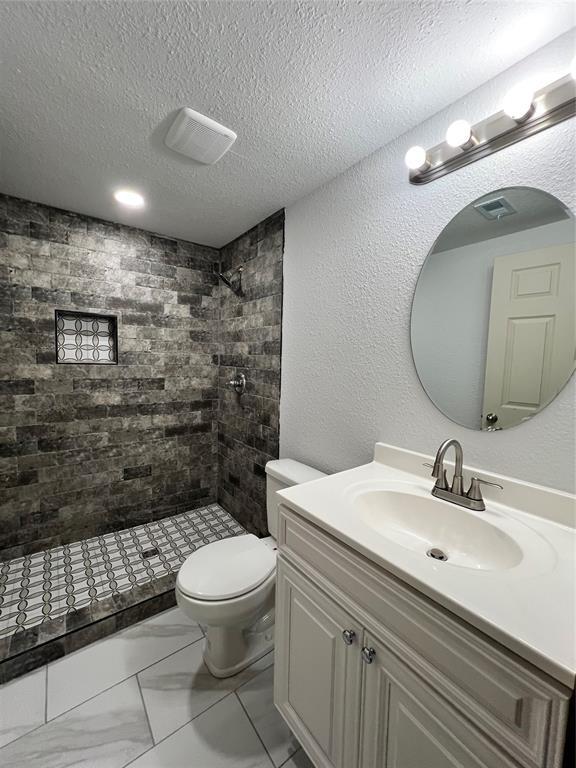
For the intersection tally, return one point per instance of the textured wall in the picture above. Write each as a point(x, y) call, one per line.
point(250, 341)
point(90, 448)
point(353, 252)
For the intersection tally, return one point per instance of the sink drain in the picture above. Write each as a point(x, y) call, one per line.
point(437, 554)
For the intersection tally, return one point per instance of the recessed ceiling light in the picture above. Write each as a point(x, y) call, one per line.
point(129, 198)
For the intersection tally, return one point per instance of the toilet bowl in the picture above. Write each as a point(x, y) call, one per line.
point(228, 586)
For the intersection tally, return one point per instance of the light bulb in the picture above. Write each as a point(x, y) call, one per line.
point(129, 198)
point(416, 159)
point(519, 103)
point(459, 134)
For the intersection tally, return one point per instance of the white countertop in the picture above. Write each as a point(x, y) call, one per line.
point(530, 609)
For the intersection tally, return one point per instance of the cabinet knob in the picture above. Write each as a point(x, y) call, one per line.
point(368, 655)
point(349, 636)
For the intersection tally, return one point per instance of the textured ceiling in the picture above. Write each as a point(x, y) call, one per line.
point(87, 89)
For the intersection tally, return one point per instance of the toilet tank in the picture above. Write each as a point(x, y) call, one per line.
point(282, 473)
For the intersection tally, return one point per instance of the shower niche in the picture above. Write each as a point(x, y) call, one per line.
point(82, 337)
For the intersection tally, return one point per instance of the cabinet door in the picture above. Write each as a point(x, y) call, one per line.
point(405, 724)
point(317, 673)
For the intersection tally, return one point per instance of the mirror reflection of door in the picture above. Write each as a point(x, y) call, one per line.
point(531, 334)
point(493, 325)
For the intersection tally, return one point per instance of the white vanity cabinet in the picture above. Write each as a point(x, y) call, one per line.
point(421, 731)
point(318, 688)
point(371, 674)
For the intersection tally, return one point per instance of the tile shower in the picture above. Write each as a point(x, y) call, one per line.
point(110, 472)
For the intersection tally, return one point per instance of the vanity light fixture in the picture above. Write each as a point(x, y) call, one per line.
point(519, 103)
point(129, 198)
point(416, 159)
point(460, 135)
point(525, 113)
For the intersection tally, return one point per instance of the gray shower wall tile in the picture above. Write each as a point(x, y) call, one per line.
point(250, 337)
point(89, 449)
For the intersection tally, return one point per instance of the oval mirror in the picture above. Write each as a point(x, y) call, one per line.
point(493, 326)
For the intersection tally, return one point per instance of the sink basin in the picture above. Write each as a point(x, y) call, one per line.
point(448, 533)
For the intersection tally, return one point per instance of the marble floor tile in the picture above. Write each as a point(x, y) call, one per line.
point(84, 673)
point(299, 760)
point(257, 697)
point(180, 687)
point(108, 731)
point(22, 706)
point(221, 737)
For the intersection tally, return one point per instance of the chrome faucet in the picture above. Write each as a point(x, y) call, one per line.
point(439, 472)
point(472, 499)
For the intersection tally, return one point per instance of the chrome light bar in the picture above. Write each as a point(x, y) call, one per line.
point(551, 105)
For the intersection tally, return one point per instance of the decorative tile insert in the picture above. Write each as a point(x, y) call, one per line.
point(82, 337)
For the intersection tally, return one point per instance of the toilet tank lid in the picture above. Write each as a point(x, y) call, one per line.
point(292, 472)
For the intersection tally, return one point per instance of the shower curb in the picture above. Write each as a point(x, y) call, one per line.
point(32, 648)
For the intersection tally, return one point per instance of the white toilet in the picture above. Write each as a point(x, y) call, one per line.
point(228, 586)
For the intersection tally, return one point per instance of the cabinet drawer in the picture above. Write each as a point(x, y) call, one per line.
point(521, 709)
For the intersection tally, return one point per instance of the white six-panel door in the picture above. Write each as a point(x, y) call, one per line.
point(532, 333)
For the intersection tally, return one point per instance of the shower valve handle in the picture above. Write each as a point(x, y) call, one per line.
point(238, 383)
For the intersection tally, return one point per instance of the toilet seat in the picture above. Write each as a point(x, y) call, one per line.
point(226, 569)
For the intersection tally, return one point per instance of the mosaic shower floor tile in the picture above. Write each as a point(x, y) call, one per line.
point(39, 588)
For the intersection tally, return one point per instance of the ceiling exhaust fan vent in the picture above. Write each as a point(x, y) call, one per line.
point(495, 208)
point(198, 137)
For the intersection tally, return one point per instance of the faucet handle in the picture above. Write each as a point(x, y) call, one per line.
point(474, 490)
point(441, 481)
